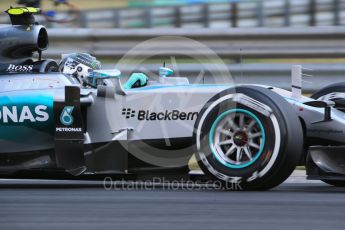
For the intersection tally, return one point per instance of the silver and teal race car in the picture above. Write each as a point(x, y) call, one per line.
point(73, 117)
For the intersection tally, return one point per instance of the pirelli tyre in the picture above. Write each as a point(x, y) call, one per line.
point(248, 136)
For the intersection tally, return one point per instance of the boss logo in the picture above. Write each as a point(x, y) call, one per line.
point(20, 68)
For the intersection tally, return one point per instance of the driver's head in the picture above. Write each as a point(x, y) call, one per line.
point(79, 65)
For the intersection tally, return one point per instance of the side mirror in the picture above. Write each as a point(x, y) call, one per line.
point(108, 74)
point(165, 72)
point(327, 105)
point(104, 74)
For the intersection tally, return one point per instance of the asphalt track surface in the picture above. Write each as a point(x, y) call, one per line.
point(296, 204)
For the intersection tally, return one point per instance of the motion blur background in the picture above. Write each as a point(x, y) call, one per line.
point(201, 13)
point(248, 35)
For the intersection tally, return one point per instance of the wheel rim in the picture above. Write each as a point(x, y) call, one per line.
point(237, 138)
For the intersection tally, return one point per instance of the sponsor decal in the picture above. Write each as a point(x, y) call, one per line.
point(25, 114)
point(128, 113)
point(22, 114)
point(69, 129)
point(20, 68)
point(66, 117)
point(167, 115)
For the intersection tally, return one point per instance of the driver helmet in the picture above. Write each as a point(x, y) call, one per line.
point(80, 66)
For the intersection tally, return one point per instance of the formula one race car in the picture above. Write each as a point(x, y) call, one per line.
point(79, 119)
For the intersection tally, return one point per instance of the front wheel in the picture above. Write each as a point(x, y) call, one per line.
point(250, 136)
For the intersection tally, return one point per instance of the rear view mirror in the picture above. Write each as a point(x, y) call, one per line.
point(104, 74)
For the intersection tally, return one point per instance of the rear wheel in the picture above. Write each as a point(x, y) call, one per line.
point(331, 92)
point(249, 136)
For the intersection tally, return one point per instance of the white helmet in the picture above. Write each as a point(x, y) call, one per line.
point(79, 65)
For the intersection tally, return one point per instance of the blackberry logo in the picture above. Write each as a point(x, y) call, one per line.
point(128, 112)
point(167, 115)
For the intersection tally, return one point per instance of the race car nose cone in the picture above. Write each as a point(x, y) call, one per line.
point(240, 138)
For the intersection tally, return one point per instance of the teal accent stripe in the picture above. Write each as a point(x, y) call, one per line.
point(153, 87)
point(134, 78)
point(24, 132)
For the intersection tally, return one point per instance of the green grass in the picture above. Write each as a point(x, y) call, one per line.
point(300, 168)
